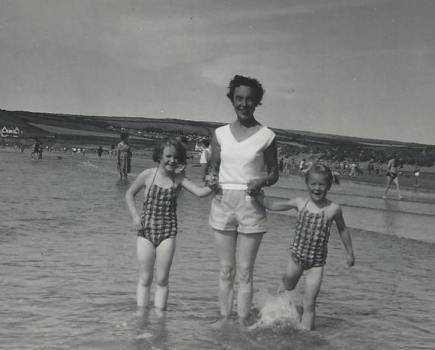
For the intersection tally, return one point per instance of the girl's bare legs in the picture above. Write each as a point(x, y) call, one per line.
point(292, 275)
point(290, 279)
point(248, 249)
point(387, 187)
point(164, 256)
point(313, 280)
point(146, 255)
point(226, 249)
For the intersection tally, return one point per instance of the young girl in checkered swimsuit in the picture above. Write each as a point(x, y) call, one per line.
point(157, 225)
point(308, 249)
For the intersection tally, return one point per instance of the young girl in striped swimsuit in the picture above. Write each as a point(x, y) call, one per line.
point(157, 225)
point(309, 247)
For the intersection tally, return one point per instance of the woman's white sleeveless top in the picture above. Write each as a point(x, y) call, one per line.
point(242, 162)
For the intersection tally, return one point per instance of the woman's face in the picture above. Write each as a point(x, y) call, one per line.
point(244, 102)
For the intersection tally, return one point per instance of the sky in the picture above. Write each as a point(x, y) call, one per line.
point(361, 68)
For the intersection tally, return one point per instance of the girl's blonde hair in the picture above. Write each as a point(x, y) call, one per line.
point(321, 170)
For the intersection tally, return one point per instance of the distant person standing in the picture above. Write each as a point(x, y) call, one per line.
point(40, 150)
point(417, 171)
point(286, 166)
point(99, 151)
point(370, 167)
point(281, 165)
point(353, 170)
point(37, 150)
point(123, 156)
point(34, 154)
point(393, 176)
point(302, 165)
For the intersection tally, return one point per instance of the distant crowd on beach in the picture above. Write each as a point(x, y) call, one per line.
point(290, 165)
point(347, 168)
point(199, 148)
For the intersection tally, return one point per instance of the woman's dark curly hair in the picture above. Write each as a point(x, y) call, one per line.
point(240, 80)
point(180, 151)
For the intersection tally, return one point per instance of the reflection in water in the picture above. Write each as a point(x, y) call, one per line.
point(152, 330)
point(122, 184)
point(389, 216)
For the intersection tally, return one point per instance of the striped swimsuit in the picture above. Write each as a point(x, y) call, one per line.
point(159, 218)
point(310, 243)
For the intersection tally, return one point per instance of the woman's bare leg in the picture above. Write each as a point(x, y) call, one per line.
point(248, 249)
point(226, 242)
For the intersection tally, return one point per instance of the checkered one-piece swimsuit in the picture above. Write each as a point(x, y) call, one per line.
point(159, 218)
point(309, 247)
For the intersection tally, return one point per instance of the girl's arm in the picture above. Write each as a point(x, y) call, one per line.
point(195, 189)
point(271, 161)
point(345, 236)
point(212, 176)
point(215, 156)
point(135, 187)
point(277, 205)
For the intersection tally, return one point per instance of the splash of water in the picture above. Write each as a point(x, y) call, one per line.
point(89, 164)
point(275, 310)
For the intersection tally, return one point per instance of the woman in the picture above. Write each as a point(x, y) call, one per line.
point(123, 157)
point(244, 158)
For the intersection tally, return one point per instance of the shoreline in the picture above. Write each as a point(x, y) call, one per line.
point(406, 180)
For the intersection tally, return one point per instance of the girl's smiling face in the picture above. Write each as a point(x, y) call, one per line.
point(318, 186)
point(168, 160)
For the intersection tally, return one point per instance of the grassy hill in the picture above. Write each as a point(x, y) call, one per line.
point(80, 129)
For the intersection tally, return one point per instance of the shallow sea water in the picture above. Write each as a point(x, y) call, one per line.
point(68, 267)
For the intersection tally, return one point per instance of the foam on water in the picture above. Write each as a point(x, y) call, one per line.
point(145, 335)
point(89, 164)
point(277, 310)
